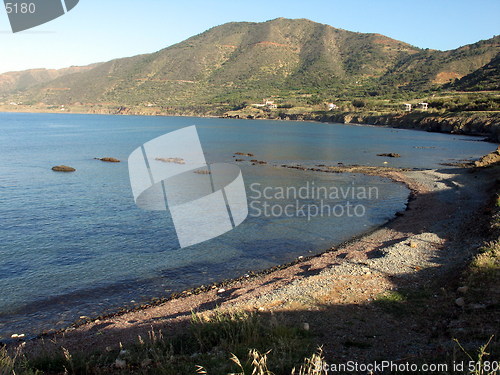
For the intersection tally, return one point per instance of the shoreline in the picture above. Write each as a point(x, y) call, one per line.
point(260, 291)
point(154, 301)
point(444, 123)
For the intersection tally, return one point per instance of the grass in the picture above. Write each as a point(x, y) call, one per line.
point(482, 364)
point(209, 344)
point(402, 302)
point(485, 268)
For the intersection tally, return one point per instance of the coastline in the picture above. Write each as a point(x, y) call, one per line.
point(478, 124)
point(353, 273)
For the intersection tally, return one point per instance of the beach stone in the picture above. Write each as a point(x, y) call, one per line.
point(477, 306)
point(63, 168)
point(413, 244)
point(305, 326)
point(462, 289)
point(221, 290)
point(120, 363)
point(460, 302)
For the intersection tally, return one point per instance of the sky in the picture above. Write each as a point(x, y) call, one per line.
point(101, 30)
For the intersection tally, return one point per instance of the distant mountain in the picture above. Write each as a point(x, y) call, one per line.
point(15, 81)
point(244, 61)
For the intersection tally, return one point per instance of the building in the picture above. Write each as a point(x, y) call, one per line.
point(270, 104)
point(266, 103)
point(423, 106)
point(407, 107)
point(332, 106)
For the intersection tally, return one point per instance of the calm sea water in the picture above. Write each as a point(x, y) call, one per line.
point(76, 244)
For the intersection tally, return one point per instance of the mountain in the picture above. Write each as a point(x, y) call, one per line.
point(15, 81)
point(485, 78)
point(244, 62)
point(440, 67)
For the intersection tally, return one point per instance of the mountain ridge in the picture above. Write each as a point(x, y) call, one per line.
point(241, 62)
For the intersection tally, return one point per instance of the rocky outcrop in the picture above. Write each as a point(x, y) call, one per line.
point(63, 168)
point(466, 123)
point(493, 158)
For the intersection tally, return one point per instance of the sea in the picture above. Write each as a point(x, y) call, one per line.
point(76, 244)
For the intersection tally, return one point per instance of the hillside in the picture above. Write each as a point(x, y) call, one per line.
point(431, 67)
point(485, 78)
point(16, 81)
point(238, 63)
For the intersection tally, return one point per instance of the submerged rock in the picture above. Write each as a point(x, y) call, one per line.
point(63, 168)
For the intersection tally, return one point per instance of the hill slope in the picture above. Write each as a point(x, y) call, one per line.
point(22, 80)
point(239, 62)
point(485, 78)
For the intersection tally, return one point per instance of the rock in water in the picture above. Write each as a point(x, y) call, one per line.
point(63, 168)
point(172, 160)
point(109, 160)
point(390, 155)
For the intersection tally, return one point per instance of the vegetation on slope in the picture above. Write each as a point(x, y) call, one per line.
point(244, 62)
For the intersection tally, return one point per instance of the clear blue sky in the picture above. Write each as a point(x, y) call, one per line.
point(100, 30)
